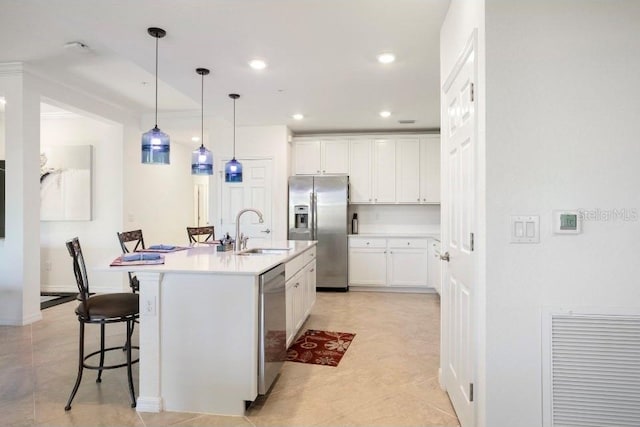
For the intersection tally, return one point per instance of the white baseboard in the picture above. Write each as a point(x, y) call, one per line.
point(27, 320)
point(149, 404)
point(394, 289)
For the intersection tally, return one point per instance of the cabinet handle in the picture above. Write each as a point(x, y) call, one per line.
point(376, 200)
point(318, 171)
point(418, 198)
point(312, 270)
point(367, 243)
point(323, 171)
point(369, 199)
point(297, 284)
point(408, 243)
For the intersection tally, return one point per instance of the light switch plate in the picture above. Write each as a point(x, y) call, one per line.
point(525, 229)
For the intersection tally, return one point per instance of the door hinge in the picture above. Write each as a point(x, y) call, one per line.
point(470, 392)
point(472, 241)
point(472, 92)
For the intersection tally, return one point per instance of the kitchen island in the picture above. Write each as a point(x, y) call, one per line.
point(199, 326)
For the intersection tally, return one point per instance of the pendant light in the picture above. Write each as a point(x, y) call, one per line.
point(155, 143)
point(233, 168)
point(202, 159)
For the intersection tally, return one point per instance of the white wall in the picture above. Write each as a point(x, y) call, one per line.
point(98, 236)
point(158, 198)
point(397, 218)
point(562, 110)
point(2, 127)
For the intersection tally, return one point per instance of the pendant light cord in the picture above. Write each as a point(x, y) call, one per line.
point(234, 128)
point(202, 112)
point(156, 81)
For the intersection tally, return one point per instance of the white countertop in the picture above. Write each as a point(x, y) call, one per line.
point(400, 235)
point(203, 258)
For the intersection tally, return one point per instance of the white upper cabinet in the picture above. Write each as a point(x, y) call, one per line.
point(384, 171)
point(399, 169)
point(307, 157)
point(360, 163)
point(430, 169)
point(335, 156)
point(317, 157)
point(408, 170)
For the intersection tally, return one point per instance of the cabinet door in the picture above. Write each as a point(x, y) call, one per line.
point(299, 283)
point(310, 294)
point(335, 156)
point(307, 157)
point(408, 170)
point(430, 169)
point(290, 322)
point(408, 267)
point(360, 162)
point(367, 267)
point(384, 171)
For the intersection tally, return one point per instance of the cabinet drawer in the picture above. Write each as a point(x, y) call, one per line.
point(293, 266)
point(408, 243)
point(367, 243)
point(309, 255)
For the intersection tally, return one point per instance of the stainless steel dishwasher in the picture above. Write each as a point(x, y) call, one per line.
point(272, 327)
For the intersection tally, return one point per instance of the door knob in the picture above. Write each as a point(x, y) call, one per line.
point(445, 256)
point(265, 231)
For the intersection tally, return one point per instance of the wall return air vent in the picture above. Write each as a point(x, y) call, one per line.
point(591, 375)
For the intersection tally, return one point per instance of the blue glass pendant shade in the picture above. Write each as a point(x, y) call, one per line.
point(233, 171)
point(155, 147)
point(202, 162)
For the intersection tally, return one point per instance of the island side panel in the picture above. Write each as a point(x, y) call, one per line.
point(150, 395)
point(209, 342)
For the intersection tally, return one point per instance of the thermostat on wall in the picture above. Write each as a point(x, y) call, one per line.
point(567, 222)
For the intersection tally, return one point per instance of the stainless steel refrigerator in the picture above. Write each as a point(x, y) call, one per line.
point(318, 211)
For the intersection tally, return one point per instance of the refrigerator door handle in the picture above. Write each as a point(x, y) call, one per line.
point(313, 216)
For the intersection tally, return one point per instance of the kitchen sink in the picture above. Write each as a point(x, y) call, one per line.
point(265, 251)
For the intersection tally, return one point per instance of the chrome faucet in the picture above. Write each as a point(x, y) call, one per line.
point(240, 239)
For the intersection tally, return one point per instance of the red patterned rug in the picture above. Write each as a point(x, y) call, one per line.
point(320, 347)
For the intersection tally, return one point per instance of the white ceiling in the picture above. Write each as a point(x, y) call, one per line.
point(321, 56)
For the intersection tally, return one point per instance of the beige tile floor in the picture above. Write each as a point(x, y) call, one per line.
point(388, 377)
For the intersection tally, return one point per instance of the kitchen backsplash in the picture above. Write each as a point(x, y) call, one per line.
point(397, 218)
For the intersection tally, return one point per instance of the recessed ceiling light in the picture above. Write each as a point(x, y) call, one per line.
point(2, 100)
point(385, 114)
point(386, 58)
point(257, 64)
point(195, 138)
point(298, 116)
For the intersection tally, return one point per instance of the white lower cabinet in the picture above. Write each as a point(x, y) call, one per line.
point(300, 291)
point(392, 262)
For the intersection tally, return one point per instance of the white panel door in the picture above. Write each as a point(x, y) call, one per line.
point(335, 156)
point(360, 162)
point(307, 157)
point(408, 170)
point(430, 169)
point(384, 171)
point(253, 192)
point(458, 326)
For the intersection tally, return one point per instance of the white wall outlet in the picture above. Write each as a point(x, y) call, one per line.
point(148, 306)
point(525, 229)
point(47, 265)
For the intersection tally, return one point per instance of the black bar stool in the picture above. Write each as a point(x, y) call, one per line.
point(102, 310)
point(135, 241)
point(207, 231)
